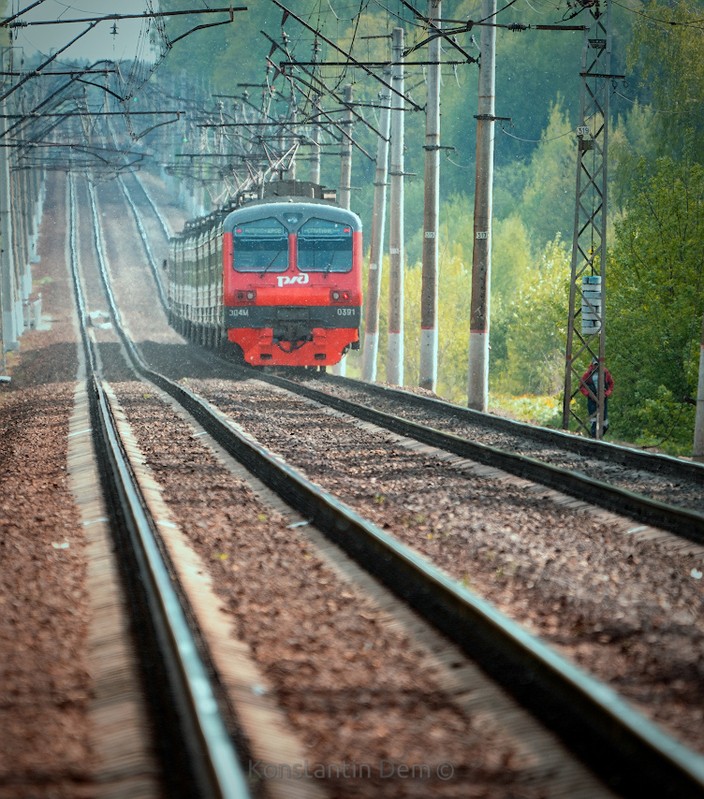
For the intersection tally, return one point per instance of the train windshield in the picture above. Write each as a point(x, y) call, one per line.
point(324, 246)
point(260, 246)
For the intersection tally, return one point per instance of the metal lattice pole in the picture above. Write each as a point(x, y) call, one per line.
point(586, 322)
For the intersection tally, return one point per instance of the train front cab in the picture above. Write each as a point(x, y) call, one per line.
point(292, 283)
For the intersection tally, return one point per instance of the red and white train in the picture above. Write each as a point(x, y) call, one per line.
point(278, 279)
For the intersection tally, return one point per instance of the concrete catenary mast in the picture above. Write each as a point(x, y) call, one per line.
point(345, 192)
point(698, 448)
point(428, 374)
point(395, 354)
point(314, 158)
point(376, 250)
point(10, 307)
point(478, 381)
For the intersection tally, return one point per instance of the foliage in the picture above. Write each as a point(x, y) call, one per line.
point(526, 64)
point(655, 302)
point(655, 196)
point(544, 410)
point(632, 142)
point(664, 422)
point(453, 321)
point(533, 325)
point(547, 206)
point(512, 262)
point(214, 56)
point(667, 50)
point(512, 257)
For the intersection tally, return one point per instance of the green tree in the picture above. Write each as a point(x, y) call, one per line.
point(535, 322)
point(633, 140)
point(547, 207)
point(667, 54)
point(655, 302)
point(455, 268)
point(512, 265)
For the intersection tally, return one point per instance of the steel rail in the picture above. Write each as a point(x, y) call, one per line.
point(213, 759)
point(163, 221)
point(685, 523)
point(154, 267)
point(622, 746)
point(604, 450)
point(146, 244)
point(218, 771)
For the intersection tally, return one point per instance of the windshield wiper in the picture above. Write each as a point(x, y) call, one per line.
point(270, 264)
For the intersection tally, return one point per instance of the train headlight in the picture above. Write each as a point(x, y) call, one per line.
point(247, 297)
point(339, 296)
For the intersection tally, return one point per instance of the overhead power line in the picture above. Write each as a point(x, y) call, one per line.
point(119, 17)
point(45, 115)
point(352, 61)
point(36, 71)
point(19, 13)
point(379, 64)
point(60, 73)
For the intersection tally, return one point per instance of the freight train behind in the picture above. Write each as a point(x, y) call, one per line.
point(278, 280)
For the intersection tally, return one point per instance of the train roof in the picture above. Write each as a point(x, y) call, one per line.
point(283, 206)
point(279, 198)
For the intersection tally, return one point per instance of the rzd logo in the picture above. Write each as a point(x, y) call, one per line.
point(287, 280)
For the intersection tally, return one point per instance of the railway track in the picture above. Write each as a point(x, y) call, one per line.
point(590, 471)
point(618, 478)
point(205, 761)
point(585, 711)
point(594, 458)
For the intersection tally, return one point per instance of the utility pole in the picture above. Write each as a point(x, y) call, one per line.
point(315, 138)
point(429, 286)
point(6, 325)
point(394, 366)
point(478, 381)
point(315, 133)
point(22, 208)
point(345, 193)
point(346, 162)
point(8, 286)
point(586, 329)
point(376, 249)
point(292, 171)
point(698, 448)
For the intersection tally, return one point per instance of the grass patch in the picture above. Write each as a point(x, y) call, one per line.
point(533, 409)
